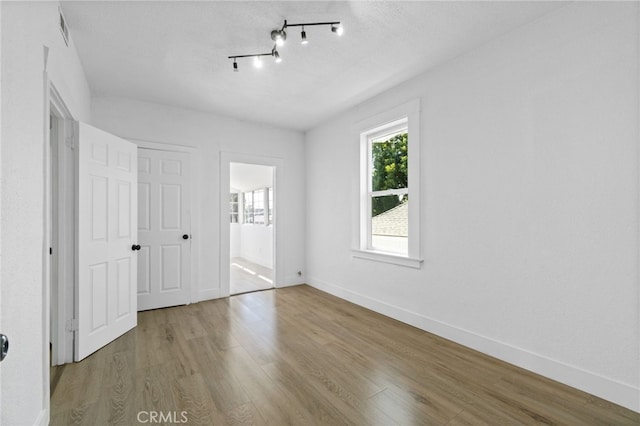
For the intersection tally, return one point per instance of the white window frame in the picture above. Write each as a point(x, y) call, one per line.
point(260, 200)
point(246, 216)
point(268, 208)
point(268, 198)
point(406, 115)
point(237, 205)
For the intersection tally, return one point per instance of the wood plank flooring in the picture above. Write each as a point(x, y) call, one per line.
point(300, 356)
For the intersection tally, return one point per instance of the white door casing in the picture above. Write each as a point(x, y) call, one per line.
point(106, 265)
point(164, 269)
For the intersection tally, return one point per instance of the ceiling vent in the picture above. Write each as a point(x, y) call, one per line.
point(63, 27)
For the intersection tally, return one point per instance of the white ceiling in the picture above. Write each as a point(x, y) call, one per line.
point(175, 53)
point(247, 177)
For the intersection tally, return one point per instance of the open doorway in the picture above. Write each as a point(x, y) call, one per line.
point(251, 233)
point(278, 214)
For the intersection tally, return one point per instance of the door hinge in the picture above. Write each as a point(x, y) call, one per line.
point(69, 142)
point(72, 325)
point(71, 138)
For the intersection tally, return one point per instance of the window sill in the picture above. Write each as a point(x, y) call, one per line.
point(378, 256)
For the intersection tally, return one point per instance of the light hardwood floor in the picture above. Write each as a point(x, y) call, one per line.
point(300, 356)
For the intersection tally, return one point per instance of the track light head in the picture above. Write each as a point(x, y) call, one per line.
point(337, 29)
point(257, 62)
point(279, 36)
point(304, 36)
point(235, 66)
point(276, 55)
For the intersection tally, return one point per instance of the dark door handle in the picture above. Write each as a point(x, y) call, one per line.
point(185, 237)
point(135, 247)
point(4, 346)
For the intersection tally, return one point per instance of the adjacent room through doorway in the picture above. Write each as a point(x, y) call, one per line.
point(251, 213)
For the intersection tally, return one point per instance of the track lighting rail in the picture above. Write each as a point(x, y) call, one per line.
point(309, 24)
point(279, 37)
point(252, 55)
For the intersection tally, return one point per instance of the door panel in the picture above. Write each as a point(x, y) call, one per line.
point(163, 219)
point(106, 214)
point(144, 200)
point(171, 207)
point(144, 273)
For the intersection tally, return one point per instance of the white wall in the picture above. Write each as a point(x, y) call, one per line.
point(234, 235)
point(256, 244)
point(1, 329)
point(529, 203)
point(26, 28)
point(213, 134)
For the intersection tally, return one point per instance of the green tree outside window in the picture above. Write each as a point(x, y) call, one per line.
point(389, 172)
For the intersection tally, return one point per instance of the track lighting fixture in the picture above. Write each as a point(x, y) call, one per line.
point(276, 55)
point(257, 61)
point(279, 36)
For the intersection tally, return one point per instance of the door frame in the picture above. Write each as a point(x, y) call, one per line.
point(194, 212)
point(226, 158)
point(60, 193)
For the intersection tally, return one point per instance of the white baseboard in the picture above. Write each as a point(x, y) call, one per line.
point(208, 294)
point(43, 418)
point(292, 280)
point(595, 384)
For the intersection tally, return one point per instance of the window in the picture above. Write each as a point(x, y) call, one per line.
point(255, 210)
point(389, 177)
point(248, 207)
point(233, 207)
point(258, 207)
point(270, 206)
point(388, 184)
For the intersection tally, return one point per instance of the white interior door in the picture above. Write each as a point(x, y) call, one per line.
point(107, 231)
point(163, 229)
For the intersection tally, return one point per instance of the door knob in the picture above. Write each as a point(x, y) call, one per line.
point(4, 346)
point(135, 247)
point(185, 237)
